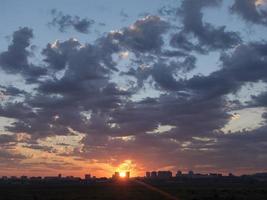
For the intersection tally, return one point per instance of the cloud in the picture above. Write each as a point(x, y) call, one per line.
point(145, 35)
point(12, 91)
point(80, 92)
point(85, 87)
point(16, 110)
point(15, 59)
point(5, 155)
point(66, 21)
point(4, 138)
point(259, 100)
point(166, 75)
point(208, 36)
point(250, 11)
point(244, 65)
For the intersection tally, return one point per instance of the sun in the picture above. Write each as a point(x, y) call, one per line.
point(122, 174)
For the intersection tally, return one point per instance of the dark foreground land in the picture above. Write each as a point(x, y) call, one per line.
point(182, 189)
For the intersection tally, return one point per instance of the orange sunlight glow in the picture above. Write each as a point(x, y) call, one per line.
point(126, 166)
point(122, 174)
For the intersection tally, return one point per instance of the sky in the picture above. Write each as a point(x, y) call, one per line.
point(102, 86)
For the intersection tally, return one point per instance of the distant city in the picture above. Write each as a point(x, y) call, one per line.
point(125, 176)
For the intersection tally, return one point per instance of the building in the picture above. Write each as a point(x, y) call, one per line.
point(231, 175)
point(127, 175)
point(164, 174)
point(87, 176)
point(38, 178)
point(179, 173)
point(153, 174)
point(190, 173)
point(116, 175)
point(159, 175)
point(215, 174)
point(24, 177)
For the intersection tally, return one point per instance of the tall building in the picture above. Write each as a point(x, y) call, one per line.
point(116, 175)
point(159, 175)
point(87, 176)
point(24, 177)
point(164, 174)
point(127, 175)
point(190, 173)
point(179, 173)
point(153, 174)
point(231, 175)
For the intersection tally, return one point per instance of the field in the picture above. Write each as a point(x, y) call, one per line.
point(185, 190)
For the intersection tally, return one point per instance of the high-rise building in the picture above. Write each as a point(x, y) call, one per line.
point(24, 177)
point(190, 173)
point(87, 176)
point(179, 173)
point(116, 175)
point(231, 175)
point(153, 174)
point(164, 174)
point(127, 175)
point(147, 174)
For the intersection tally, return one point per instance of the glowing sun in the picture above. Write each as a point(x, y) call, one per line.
point(122, 174)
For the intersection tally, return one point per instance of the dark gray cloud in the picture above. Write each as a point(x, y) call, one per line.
point(4, 138)
point(145, 35)
point(259, 100)
point(246, 64)
point(64, 22)
point(208, 36)
point(249, 11)
point(40, 148)
point(12, 91)
point(15, 59)
point(77, 91)
point(59, 103)
point(56, 54)
point(16, 110)
point(166, 76)
point(7, 156)
point(189, 116)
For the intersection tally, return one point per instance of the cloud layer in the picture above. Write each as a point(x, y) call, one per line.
point(86, 94)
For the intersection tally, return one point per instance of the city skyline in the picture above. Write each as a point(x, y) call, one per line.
point(129, 86)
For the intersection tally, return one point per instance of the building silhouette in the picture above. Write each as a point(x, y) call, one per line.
point(153, 174)
point(159, 175)
point(116, 176)
point(179, 173)
point(164, 174)
point(127, 175)
point(190, 173)
point(87, 176)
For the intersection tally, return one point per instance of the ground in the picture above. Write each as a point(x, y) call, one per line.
point(185, 190)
